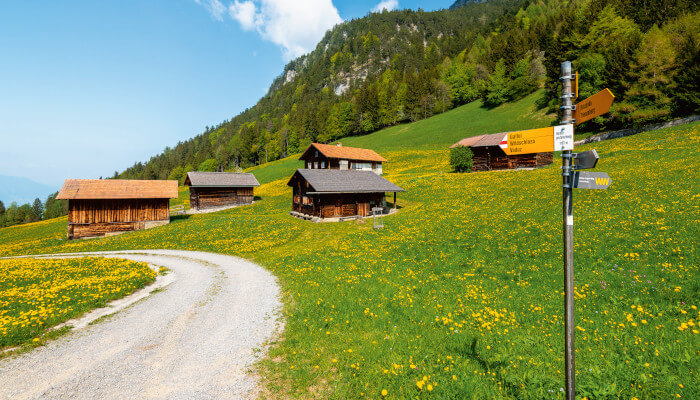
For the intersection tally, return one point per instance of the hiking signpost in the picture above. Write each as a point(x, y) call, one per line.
point(589, 108)
point(561, 138)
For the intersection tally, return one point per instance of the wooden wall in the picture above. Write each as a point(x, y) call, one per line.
point(203, 198)
point(337, 205)
point(98, 217)
point(493, 158)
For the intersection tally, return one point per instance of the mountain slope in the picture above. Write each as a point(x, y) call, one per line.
point(22, 190)
point(394, 67)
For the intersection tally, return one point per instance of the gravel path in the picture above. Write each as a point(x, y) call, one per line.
point(197, 339)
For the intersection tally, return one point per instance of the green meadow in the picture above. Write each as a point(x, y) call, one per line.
point(460, 295)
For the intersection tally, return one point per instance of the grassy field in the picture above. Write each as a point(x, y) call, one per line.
point(460, 295)
point(36, 295)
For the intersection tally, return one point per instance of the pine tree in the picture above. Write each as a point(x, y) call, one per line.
point(37, 210)
point(498, 86)
point(176, 174)
point(648, 99)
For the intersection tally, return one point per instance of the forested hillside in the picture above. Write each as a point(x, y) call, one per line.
point(392, 67)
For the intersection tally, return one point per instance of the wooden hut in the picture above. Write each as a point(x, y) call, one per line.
point(327, 156)
point(220, 189)
point(99, 207)
point(489, 156)
point(328, 193)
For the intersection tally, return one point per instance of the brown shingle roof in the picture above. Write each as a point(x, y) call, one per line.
point(493, 139)
point(350, 153)
point(221, 179)
point(467, 142)
point(117, 189)
point(344, 181)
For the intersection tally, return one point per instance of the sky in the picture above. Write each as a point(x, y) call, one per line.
point(88, 88)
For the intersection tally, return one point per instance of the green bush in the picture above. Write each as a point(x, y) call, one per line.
point(461, 159)
point(209, 165)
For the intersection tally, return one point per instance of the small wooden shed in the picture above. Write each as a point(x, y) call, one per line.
point(329, 193)
point(99, 207)
point(220, 189)
point(489, 156)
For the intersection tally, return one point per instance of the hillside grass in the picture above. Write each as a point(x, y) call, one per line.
point(460, 295)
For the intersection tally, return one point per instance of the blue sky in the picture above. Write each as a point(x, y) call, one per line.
point(90, 87)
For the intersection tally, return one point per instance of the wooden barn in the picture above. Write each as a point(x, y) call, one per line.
point(220, 189)
point(489, 156)
point(327, 156)
point(328, 193)
point(99, 207)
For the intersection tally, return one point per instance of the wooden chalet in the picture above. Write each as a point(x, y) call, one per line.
point(489, 156)
point(328, 193)
point(99, 207)
point(220, 189)
point(327, 156)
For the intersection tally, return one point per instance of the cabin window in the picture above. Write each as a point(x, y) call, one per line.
point(378, 170)
point(315, 164)
point(343, 164)
point(364, 166)
point(306, 200)
point(308, 165)
point(323, 164)
point(316, 153)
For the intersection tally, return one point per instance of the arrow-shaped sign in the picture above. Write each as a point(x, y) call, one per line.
point(596, 105)
point(586, 160)
point(592, 180)
point(540, 140)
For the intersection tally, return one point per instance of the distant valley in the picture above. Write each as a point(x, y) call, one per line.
point(22, 190)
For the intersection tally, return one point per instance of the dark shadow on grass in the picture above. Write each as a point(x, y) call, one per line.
point(390, 205)
point(257, 198)
point(470, 351)
point(179, 217)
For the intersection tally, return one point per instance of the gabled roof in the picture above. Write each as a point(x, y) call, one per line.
point(74, 189)
point(481, 140)
point(344, 181)
point(221, 179)
point(350, 153)
point(467, 142)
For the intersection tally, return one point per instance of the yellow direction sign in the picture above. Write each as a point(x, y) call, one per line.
point(596, 105)
point(540, 140)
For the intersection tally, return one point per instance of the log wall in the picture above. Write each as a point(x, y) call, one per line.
point(493, 158)
point(88, 218)
point(340, 205)
point(203, 198)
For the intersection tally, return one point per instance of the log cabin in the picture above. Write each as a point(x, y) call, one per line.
point(327, 156)
point(220, 189)
point(99, 207)
point(329, 193)
point(488, 156)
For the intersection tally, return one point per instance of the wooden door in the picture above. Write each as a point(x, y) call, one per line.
point(338, 206)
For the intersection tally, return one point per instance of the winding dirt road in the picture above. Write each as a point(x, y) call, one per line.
point(197, 339)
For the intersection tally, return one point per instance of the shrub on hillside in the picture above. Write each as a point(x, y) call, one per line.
point(209, 165)
point(461, 159)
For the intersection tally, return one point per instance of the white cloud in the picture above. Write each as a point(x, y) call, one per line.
point(296, 26)
point(245, 14)
point(386, 5)
point(215, 8)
